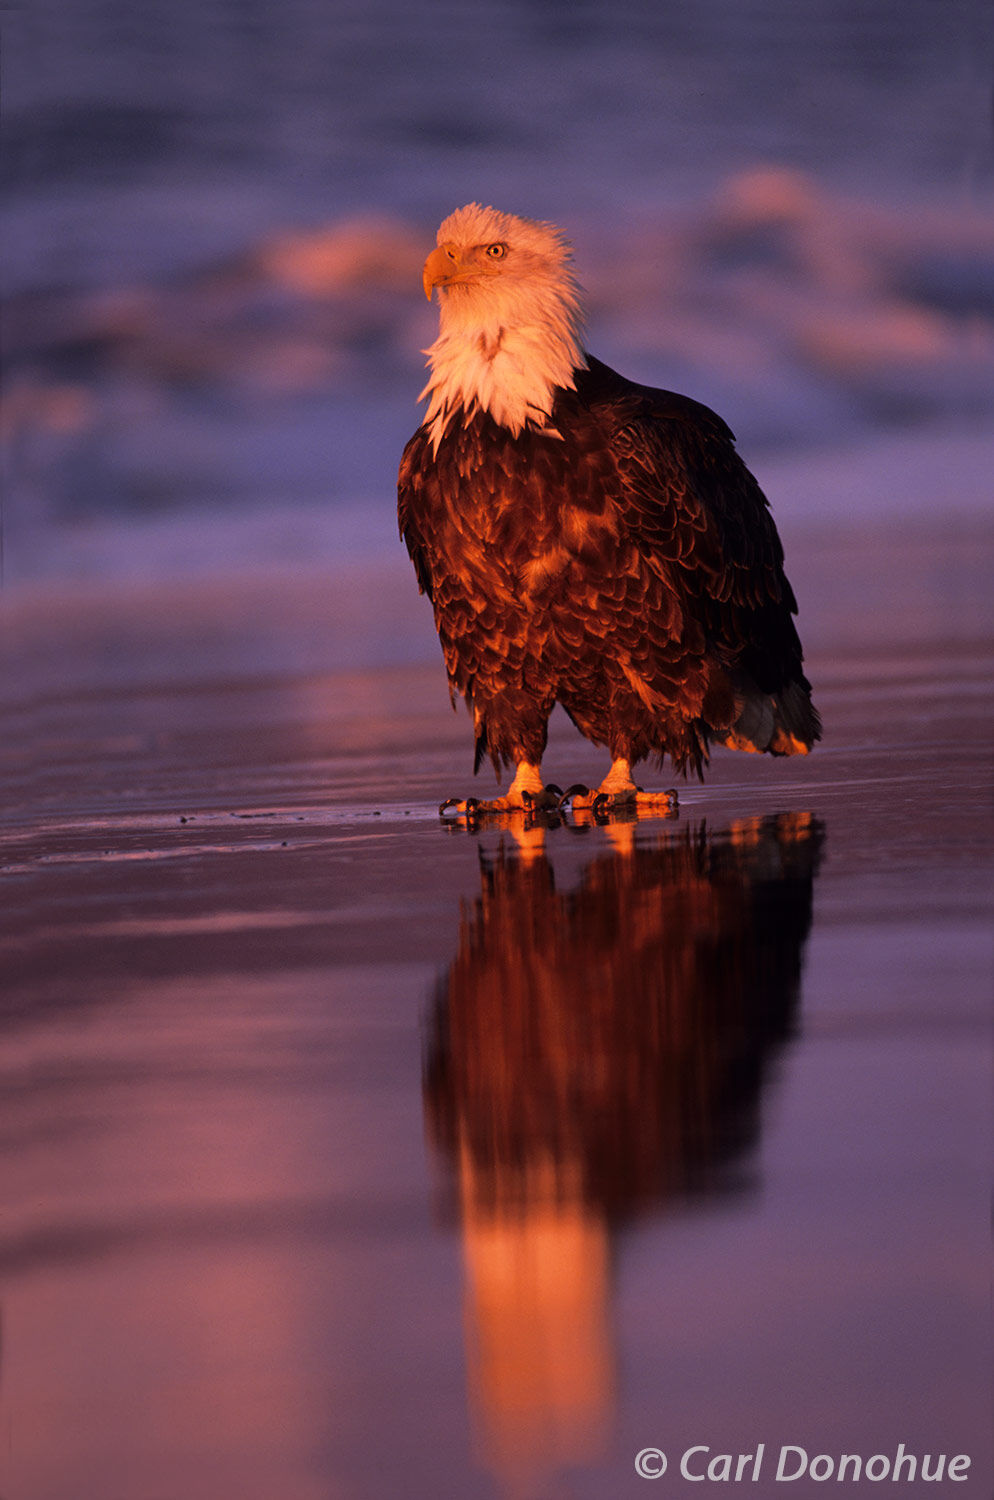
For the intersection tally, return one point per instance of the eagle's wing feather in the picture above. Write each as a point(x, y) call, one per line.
point(411, 500)
point(698, 516)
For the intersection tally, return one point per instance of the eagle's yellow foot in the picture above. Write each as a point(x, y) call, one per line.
point(636, 801)
point(526, 794)
point(618, 792)
point(659, 803)
point(547, 800)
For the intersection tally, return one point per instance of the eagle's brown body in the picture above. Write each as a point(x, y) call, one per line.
point(626, 567)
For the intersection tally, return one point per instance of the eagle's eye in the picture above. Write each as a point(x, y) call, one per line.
point(497, 251)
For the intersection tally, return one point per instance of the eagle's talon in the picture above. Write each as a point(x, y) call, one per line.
point(547, 800)
point(534, 807)
point(656, 803)
point(551, 802)
point(576, 790)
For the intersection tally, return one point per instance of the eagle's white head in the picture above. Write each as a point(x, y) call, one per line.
point(509, 328)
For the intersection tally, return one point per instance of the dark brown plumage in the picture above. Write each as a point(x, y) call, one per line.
point(614, 555)
point(617, 1031)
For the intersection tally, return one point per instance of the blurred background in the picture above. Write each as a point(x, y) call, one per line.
point(216, 213)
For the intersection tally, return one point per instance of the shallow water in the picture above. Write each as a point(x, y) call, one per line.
point(349, 1155)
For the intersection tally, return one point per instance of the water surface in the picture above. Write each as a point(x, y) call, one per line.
point(345, 1154)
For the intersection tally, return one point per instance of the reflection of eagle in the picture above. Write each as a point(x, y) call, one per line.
point(585, 540)
point(592, 1053)
point(618, 1033)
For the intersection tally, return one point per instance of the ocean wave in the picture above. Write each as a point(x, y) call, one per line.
point(288, 374)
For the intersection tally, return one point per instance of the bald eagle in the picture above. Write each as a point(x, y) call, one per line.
point(585, 540)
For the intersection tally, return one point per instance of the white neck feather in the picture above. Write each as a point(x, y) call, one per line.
point(502, 350)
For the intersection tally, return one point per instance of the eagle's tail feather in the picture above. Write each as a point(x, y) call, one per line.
point(797, 721)
point(785, 724)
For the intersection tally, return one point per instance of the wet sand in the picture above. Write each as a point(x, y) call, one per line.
point(351, 1155)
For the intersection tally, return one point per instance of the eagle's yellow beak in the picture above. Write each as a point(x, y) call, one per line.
point(441, 268)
